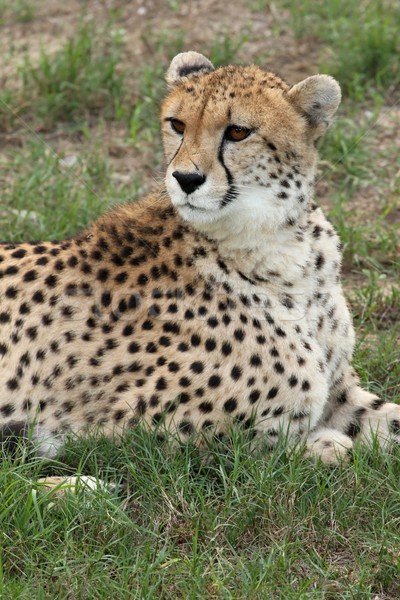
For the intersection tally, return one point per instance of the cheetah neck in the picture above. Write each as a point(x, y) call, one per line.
point(256, 250)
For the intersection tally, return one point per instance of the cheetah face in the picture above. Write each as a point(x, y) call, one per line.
point(239, 143)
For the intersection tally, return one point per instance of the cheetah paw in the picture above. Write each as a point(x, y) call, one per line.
point(61, 486)
point(329, 445)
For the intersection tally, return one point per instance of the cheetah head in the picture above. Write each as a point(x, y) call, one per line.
point(240, 143)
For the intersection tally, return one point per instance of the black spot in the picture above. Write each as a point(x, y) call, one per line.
point(186, 427)
point(239, 335)
point(184, 382)
point(210, 344)
point(119, 415)
point(353, 430)
point(154, 400)
point(151, 348)
point(12, 385)
point(254, 396)
point(121, 277)
point(38, 297)
point(47, 320)
point(161, 384)
point(106, 298)
point(214, 381)
point(71, 289)
point(394, 427)
point(51, 281)
point(376, 404)
point(230, 405)
point(184, 398)
point(133, 347)
point(317, 231)
point(197, 367)
point(134, 301)
point(164, 341)
point(354, 427)
point(226, 348)
point(255, 360)
point(134, 367)
point(236, 372)
point(205, 407)
point(72, 261)
point(20, 253)
point(142, 279)
point(59, 265)
point(212, 322)
point(12, 433)
point(273, 392)
point(102, 274)
point(31, 332)
point(319, 261)
point(141, 406)
point(195, 340)
point(280, 332)
point(11, 292)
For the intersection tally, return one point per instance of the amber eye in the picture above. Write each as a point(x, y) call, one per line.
point(234, 133)
point(177, 126)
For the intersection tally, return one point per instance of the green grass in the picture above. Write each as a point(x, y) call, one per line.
point(44, 198)
point(243, 525)
point(79, 80)
point(360, 38)
point(20, 11)
point(240, 526)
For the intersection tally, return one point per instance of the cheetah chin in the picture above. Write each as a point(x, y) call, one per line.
point(215, 300)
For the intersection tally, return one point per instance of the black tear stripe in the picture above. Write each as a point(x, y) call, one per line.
point(174, 156)
point(232, 192)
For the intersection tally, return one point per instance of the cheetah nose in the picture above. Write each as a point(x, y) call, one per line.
point(189, 182)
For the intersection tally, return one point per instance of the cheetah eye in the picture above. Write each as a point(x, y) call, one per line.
point(234, 133)
point(177, 126)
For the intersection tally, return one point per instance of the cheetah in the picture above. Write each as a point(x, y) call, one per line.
point(215, 300)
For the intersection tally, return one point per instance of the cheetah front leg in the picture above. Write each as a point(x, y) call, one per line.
point(363, 416)
point(353, 414)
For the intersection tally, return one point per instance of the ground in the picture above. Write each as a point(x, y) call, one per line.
point(79, 96)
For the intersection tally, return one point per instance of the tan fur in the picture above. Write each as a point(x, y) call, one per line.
point(191, 316)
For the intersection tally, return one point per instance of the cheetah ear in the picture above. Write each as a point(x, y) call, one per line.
point(317, 98)
point(187, 64)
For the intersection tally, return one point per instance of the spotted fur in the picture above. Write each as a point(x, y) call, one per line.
point(215, 299)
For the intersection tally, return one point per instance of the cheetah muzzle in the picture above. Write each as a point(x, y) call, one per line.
point(215, 299)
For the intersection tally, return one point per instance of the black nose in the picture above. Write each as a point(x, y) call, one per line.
point(189, 182)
